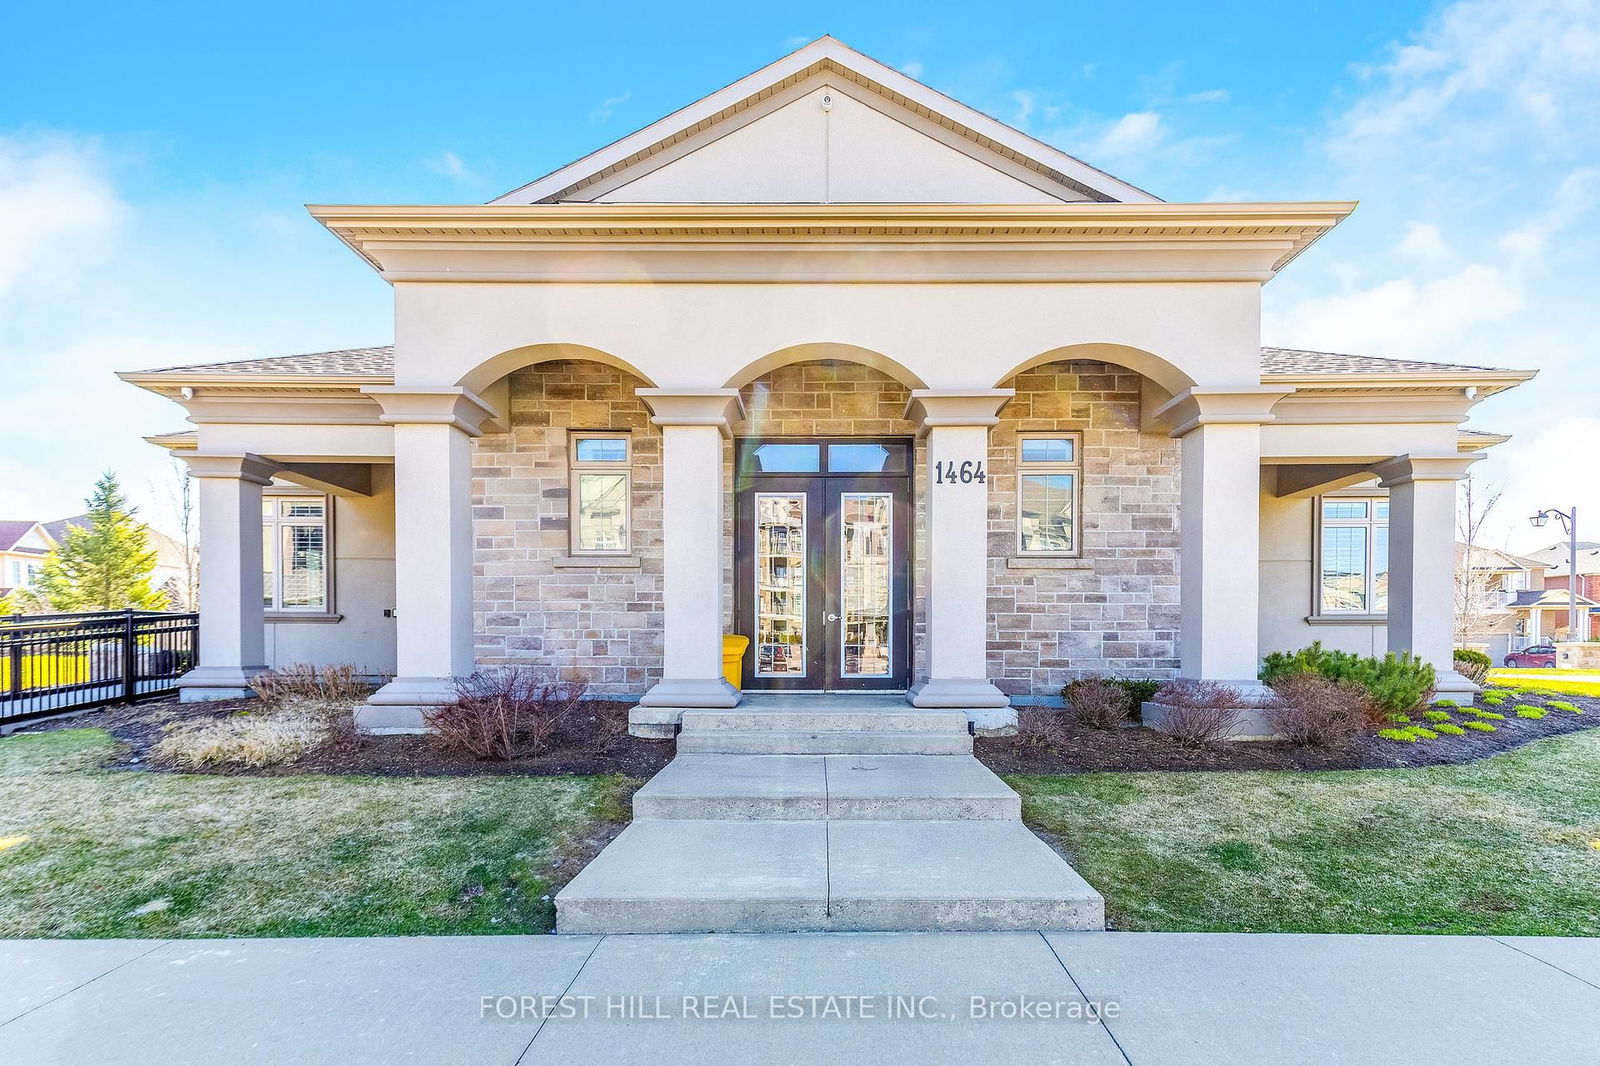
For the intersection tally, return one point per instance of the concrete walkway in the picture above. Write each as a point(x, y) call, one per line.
point(841, 998)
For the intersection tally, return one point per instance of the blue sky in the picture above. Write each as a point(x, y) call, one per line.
point(154, 160)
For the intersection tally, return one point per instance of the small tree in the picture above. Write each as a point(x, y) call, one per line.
point(184, 590)
point(105, 564)
point(1477, 598)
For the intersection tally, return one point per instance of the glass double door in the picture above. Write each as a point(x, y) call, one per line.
point(823, 560)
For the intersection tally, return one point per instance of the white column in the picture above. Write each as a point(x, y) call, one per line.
point(1422, 524)
point(433, 431)
point(1219, 530)
point(693, 424)
point(956, 427)
point(232, 645)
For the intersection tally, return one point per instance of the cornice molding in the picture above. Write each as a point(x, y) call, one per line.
point(1404, 469)
point(694, 407)
point(1245, 405)
point(449, 405)
point(232, 466)
point(929, 408)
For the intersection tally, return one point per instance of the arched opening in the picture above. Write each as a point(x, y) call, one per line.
point(825, 351)
point(496, 367)
point(1165, 374)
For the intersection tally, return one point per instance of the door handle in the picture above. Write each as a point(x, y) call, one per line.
point(833, 618)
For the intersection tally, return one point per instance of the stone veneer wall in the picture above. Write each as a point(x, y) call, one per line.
point(1115, 611)
point(599, 623)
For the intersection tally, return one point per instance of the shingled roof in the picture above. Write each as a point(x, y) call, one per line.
point(378, 362)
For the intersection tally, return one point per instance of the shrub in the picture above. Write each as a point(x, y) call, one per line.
point(1042, 728)
point(1436, 716)
point(1472, 665)
point(500, 714)
point(1495, 715)
point(1401, 735)
point(1098, 703)
point(1396, 683)
point(1199, 712)
point(1482, 727)
point(1316, 711)
point(1563, 705)
point(1425, 734)
point(304, 683)
point(1450, 728)
point(1525, 710)
point(1446, 703)
point(1498, 693)
point(1494, 701)
point(242, 740)
point(1140, 690)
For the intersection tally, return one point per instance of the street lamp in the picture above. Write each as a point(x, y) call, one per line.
point(1569, 522)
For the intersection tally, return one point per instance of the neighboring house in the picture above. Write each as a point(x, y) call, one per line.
point(23, 546)
point(1504, 603)
point(913, 400)
point(1558, 558)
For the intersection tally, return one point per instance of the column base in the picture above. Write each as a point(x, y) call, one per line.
point(956, 692)
point(1252, 722)
point(1450, 683)
point(401, 705)
point(691, 692)
point(217, 683)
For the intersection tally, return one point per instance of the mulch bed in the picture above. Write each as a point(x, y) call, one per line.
point(1133, 749)
point(139, 727)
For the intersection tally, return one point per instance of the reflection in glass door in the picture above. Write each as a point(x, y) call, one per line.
point(780, 585)
point(866, 526)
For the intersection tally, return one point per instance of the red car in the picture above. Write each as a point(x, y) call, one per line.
point(1540, 656)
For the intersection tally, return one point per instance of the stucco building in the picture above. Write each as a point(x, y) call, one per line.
point(830, 360)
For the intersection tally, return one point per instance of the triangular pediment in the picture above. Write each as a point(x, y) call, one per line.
point(827, 124)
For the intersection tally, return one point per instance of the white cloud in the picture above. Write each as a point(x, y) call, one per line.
point(609, 105)
point(1425, 243)
point(1133, 134)
point(59, 213)
point(450, 165)
point(1210, 96)
point(1543, 477)
point(913, 69)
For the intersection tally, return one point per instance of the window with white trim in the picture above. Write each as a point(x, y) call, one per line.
point(1049, 491)
point(1353, 555)
point(602, 487)
point(294, 553)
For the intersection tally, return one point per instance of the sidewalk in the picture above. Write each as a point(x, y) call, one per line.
point(841, 998)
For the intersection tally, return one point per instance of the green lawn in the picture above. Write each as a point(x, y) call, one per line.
point(1567, 682)
point(83, 850)
point(1507, 845)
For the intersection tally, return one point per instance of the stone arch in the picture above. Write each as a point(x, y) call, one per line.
point(825, 351)
point(497, 367)
point(1165, 374)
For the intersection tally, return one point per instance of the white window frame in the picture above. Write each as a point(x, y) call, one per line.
point(272, 527)
point(1371, 523)
point(1074, 468)
point(577, 468)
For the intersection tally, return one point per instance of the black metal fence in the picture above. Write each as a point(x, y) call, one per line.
point(51, 663)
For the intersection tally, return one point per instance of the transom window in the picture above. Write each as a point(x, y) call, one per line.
point(294, 553)
point(1353, 556)
point(1049, 489)
point(602, 483)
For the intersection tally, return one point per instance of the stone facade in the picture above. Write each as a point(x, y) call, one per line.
point(532, 606)
point(1114, 610)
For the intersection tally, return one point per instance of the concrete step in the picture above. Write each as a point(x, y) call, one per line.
point(884, 787)
point(833, 719)
point(822, 742)
point(723, 876)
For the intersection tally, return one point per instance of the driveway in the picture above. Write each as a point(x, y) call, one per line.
point(820, 997)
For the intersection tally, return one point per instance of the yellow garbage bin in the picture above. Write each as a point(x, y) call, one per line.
point(732, 657)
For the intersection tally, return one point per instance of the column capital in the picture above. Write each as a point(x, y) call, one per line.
point(1208, 405)
point(694, 407)
point(956, 407)
point(450, 405)
point(1403, 469)
point(233, 466)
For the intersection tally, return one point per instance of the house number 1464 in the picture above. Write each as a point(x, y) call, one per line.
point(949, 473)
